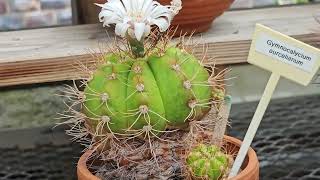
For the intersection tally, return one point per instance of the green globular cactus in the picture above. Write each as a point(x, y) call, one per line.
point(147, 94)
point(207, 162)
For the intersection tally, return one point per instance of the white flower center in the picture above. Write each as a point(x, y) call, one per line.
point(136, 16)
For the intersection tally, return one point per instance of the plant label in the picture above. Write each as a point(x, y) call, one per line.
point(284, 55)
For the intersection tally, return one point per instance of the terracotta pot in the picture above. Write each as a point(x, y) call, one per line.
point(250, 169)
point(196, 15)
point(82, 168)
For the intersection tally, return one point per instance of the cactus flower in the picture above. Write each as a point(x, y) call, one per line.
point(135, 17)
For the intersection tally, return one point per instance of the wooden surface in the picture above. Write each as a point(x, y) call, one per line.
point(46, 55)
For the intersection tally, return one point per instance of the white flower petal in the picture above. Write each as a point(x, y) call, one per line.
point(104, 15)
point(147, 30)
point(117, 7)
point(139, 29)
point(108, 18)
point(176, 6)
point(138, 5)
point(126, 19)
point(162, 23)
point(135, 5)
point(121, 29)
point(127, 4)
point(159, 11)
point(147, 9)
point(100, 5)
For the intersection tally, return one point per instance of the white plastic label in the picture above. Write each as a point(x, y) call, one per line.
point(286, 53)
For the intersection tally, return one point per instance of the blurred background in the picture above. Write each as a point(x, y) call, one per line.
point(31, 149)
point(25, 14)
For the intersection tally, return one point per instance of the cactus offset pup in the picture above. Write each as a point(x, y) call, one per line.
point(207, 162)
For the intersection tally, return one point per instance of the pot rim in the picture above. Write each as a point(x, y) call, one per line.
point(253, 163)
point(82, 169)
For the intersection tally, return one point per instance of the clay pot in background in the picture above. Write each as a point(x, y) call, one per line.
point(250, 169)
point(196, 15)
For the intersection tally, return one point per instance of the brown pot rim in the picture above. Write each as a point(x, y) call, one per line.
point(82, 168)
point(252, 166)
point(253, 162)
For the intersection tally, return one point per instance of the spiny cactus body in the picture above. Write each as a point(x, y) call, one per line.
point(207, 162)
point(149, 94)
